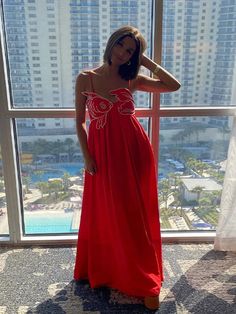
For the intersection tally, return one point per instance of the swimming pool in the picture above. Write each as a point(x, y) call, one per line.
point(56, 171)
point(74, 169)
point(48, 224)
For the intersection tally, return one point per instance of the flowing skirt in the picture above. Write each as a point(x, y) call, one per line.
point(119, 242)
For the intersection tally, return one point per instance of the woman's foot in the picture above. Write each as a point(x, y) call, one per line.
point(152, 303)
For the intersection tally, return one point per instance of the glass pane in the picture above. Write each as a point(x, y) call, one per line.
point(48, 44)
point(145, 122)
point(52, 177)
point(4, 230)
point(199, 44)
point(51, 166)
point(192, 161)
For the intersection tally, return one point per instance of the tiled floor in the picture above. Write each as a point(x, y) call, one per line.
point(40, 280)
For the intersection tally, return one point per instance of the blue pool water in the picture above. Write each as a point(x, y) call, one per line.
point(57, 171)
point(75, 169)
point(44, 224)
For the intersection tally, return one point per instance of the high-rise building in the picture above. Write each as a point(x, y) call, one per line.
point(199, 46)
point(49, 42)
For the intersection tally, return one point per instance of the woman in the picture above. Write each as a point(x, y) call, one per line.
point(119, 243)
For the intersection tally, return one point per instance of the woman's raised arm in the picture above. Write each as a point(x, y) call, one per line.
point(164, 81)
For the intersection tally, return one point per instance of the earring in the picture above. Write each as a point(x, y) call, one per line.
point(128, 63)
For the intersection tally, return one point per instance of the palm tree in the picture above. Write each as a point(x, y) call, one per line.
point(186, 155)
point(178, 201)
point(215, 197)
point(70, 149)
point(26, 183)
point(174, 179)
point(43, 187)
point(198, 128)
point(191, 164)
point(205, 202)
point(56, 148)
point(198, 190)
point(40, 146)
point(188, 132)
point(65, 180)
point(164, 188)
point(200, 167)
point(55, 186)
point(178, 137)
point(197, 165)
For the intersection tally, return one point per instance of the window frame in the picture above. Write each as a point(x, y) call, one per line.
point(9, 149)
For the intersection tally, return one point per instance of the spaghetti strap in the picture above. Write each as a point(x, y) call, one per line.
point(91, 81)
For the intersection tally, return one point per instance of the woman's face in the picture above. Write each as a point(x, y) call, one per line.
point(123, 51)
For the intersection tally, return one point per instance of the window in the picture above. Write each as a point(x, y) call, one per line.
point(192, 147)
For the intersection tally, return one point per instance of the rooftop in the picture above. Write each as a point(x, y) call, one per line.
point(206, 183)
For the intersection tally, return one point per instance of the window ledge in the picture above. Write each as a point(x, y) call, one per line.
point(60, 240)
point(188, 236)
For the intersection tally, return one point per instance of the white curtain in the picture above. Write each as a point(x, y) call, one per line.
point(226, 230)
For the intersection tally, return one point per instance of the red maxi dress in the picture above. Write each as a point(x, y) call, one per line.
point(119, 242)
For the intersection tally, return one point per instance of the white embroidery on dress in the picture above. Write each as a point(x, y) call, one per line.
point(126, 100)
point(98, 106)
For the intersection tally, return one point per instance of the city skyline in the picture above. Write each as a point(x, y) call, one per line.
point(49, 42)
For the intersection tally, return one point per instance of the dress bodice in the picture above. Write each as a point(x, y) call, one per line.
point(99, 106)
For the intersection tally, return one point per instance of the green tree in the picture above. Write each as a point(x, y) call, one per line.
point(57, 147)
point(70, 149)
point(164, 189)
point(26, 183)
point(215, 197)
point(198, 129)
point(178, 202)
point(66, 181)
point(197, 166)
point(55, 186)
point(205, 202)
point(178, 137)
point(174, 180)
point(200, 167)
point(191, 164)
point(43, 187)
point(198, 190)
point(40, 146)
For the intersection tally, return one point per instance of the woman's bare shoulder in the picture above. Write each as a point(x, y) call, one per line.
point(83, 75)
point(97, 71)
point(82, 79)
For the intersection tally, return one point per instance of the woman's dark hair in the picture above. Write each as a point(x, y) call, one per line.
point(127, 71)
